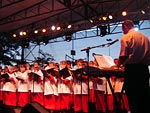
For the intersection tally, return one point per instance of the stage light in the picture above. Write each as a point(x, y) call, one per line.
point(21, 33)
point(35, 31)
point(142, 11)
point(58, 28)
point(24, 33)
point(124, 13)
point(14, 35)
point(110, 17)
point(99, 18)
point(43, 30)
point(91, 21)
point(103, 30)
point(69, 26)
point(68, 37)
point(53, 28)
point(104, 18)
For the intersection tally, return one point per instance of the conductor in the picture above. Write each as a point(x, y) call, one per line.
point(135, 56)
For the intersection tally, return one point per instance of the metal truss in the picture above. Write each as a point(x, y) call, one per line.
point(6, 3)
point(115, 28)
point(83, 15)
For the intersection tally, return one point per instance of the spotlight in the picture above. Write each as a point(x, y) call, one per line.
point(43, 30)
point(68, 37)
point(91, 21)
point(104, 18)
point(124, 13)
point(69, 26)
point(21, 33)
point(142, 11)
point(99, 18)
point(14, 35)
point(36, 31)
point(110, 17)
point(58, 28)
point(24, 33)
point(103, 30)
point(53, 28)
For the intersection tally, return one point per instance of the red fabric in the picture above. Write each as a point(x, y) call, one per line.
point(77, 103)
point(22, 81)
point(85, 103)
point(1, 96)
point(124, 102)
point(98, 80)
point(100, 101)
point(92, 95)
point(49, 102)
point(66, 81)
point(52, 79)
point(122, 79)
point(12, 79)
point(39, 80)
point(57, 103)
point(85, 77)
point(65, 101)
point(30, 78)
point(2, 80)
point(9, 98)
point(81, 103)
point(37, 97)
point(23, 98)
point(110, 102)
point(113, 78)
point(71, 99)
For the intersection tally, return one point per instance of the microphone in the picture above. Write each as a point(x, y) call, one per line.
point(113, 42)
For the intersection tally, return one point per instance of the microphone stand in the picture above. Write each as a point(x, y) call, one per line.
point(1, 101)
point(102, 45)
point(17, 98)
point(87, 52)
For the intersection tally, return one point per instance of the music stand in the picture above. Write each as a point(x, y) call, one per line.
point(34, 76)
point(87, 52)
point(105, 63)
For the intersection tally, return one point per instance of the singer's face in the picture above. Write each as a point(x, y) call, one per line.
point(36, 65)
point(22, 69)
point(11, 69)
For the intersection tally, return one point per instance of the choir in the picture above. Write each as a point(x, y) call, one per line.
point(60, 87)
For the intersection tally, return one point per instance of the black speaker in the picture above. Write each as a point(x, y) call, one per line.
point(6, 109)
point(33, 108)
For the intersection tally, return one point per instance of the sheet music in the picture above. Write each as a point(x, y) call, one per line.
point(104, 61)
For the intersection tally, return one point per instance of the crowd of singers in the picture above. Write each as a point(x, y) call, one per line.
point(59, 87)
